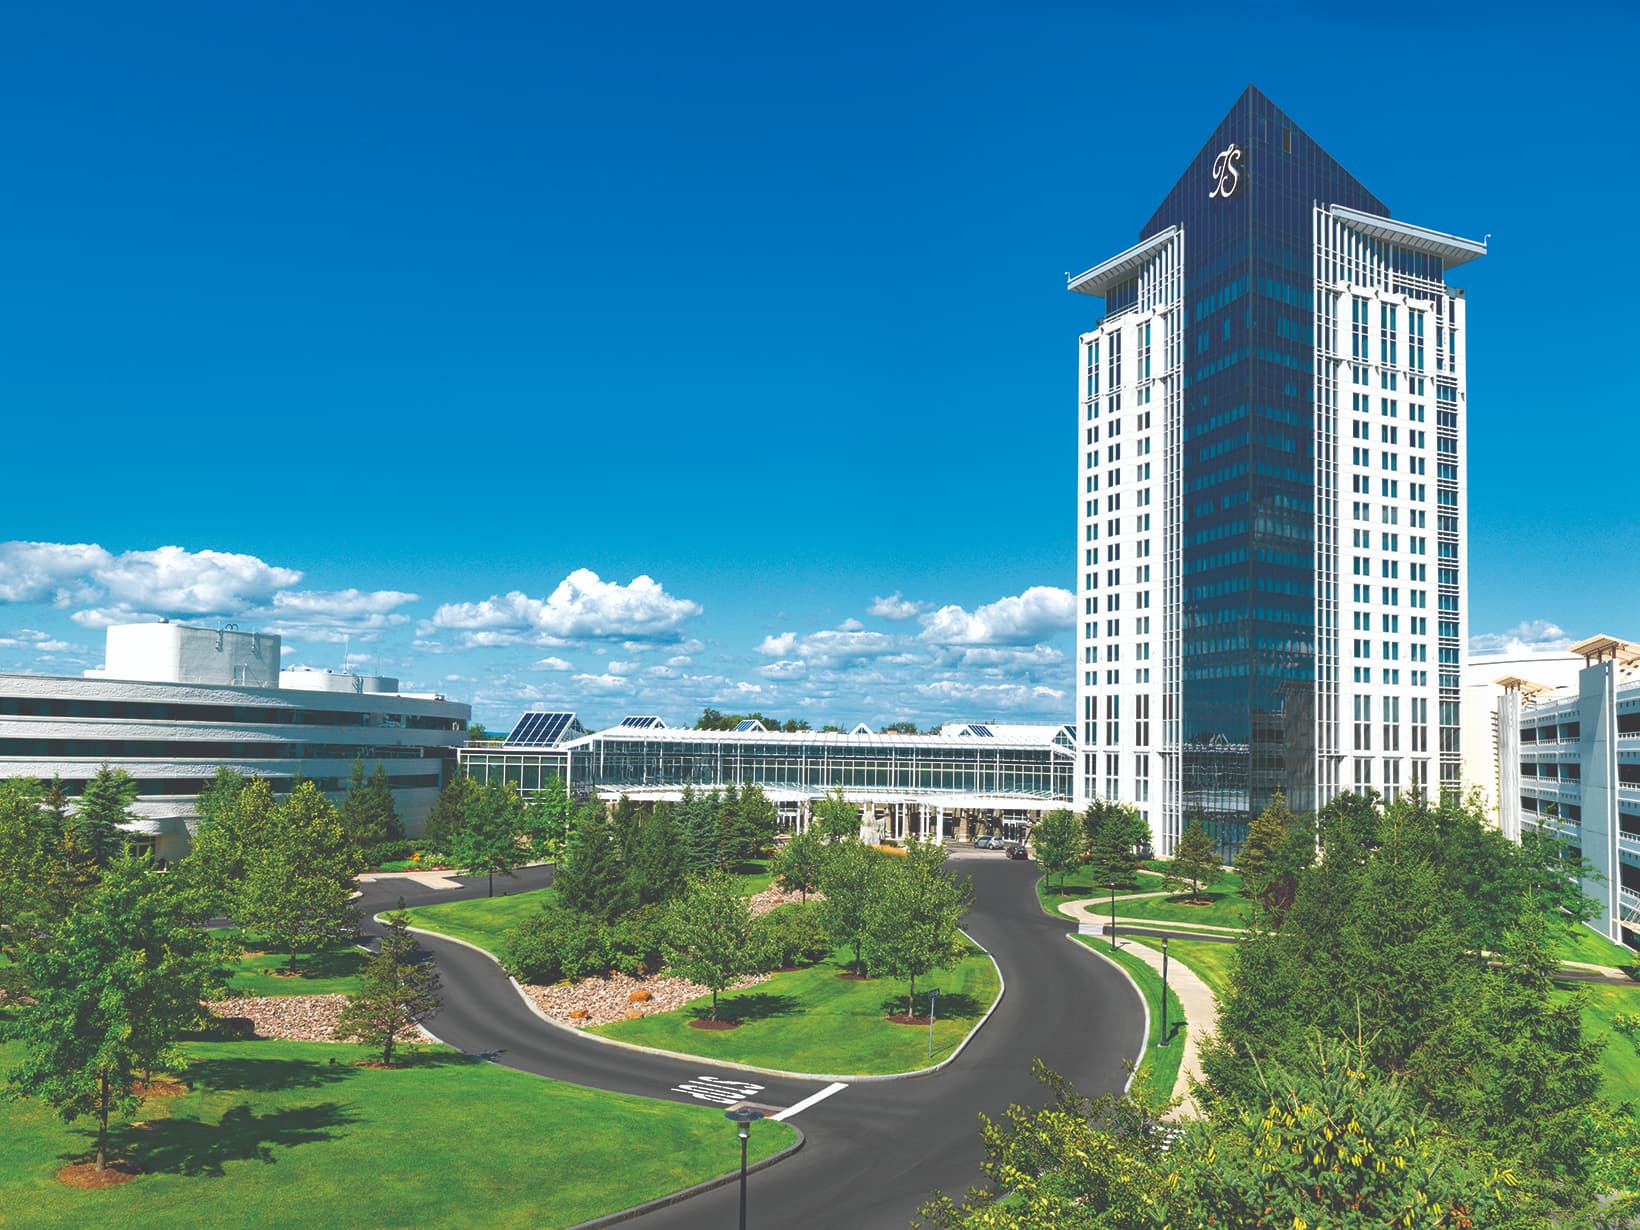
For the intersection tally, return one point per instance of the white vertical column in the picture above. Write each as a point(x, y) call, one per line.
point(939, 825)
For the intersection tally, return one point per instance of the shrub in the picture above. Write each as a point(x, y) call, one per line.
point(388, 852)
point(633, 941)
point(555, 944)
point(791, 935)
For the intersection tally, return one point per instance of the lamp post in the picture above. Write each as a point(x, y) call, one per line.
point(1162, 1041)
point(1113, 915)
point(744, 1118)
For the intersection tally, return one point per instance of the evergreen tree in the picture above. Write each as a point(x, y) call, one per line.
point(449, 813)
point(367, 812)
point(395, 990)
point(626, 820)
point(98, 823)
point(697, 814)
point(121, 978)
point(659, 868)
point(591, 879)
point(1112, 831)
point(1195, 860)
point(759, 821)
point(730, 839)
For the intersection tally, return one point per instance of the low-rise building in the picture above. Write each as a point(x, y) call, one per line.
point(969, 778)
point(173, 703)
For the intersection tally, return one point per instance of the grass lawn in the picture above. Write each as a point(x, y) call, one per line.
point(335, 971)
point(1210, 962)
point(1225, 909)
point(1159, 1067)
point(1619, 1065)
point(483, 920)
point(1585, 945)
point(752, 878)
point(811, 1020)
point(272, 1136)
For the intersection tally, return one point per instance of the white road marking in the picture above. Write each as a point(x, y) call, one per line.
point(717, 1089)
point(809, 1101)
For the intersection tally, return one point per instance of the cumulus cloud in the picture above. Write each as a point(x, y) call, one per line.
point(551, 664)
point(849, 642)
point(191, 582)
point(784, 669)
point(55, 572)
point(895, 607)
point(1531, 636)
point(603, 683)
point(1034, 615)
point(584, 606)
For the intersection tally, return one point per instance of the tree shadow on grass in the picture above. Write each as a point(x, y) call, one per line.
point(193, 1148)
point(958, 1005)
point(760, 1006)
point(254, 1075)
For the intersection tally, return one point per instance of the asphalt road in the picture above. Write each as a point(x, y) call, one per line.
point(874, 1150)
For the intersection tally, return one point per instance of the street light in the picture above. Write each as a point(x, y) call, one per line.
point(1113, 915)
point(744, 1117)
point(1162, 1041)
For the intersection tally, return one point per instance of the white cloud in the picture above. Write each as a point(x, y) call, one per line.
point(622, 668)
point(551, 664)
point(1000, 695)
point(784, 669)
point(1032, 616)
point(583, 606)
point(1531, 636)
point(895, 607)
point(830, 646)
point(605, 684)
point(54, 572)
point(191, 582)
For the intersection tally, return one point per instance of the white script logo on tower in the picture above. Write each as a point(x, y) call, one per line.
point(1227, 172)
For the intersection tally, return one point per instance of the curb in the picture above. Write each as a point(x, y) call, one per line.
point(1144, 1004)
point(1002, 989)
point(677, 1197)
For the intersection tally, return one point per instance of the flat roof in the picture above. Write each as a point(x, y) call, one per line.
point(1599, 648)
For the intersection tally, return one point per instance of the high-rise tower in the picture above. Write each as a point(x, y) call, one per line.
point(1271, 560)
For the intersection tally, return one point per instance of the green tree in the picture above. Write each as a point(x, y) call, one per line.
point(1057, 838)
point(487, 845)
point(625, 819)
point(1195, 860)
point(219, 793)
point(476, 732)
point(99, 822)
point(547, 819)
point(299, 880)
point(395, 990)
point(900, 728)
point(367, 812)
point(849, 877)
point(238, 819)
point(449, 813)
point(591, 880)
point(122, 977)
point(914, 924)
point(658, 868)
point(798, 864)
point(759, 822)
point(1111, 833)
point(709, 936)
point(697, 815)
point(835, 818)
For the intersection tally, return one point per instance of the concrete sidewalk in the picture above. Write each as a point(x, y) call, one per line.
point(1201, 1010)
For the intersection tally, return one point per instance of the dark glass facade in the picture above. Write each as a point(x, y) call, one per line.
point(1248, 550)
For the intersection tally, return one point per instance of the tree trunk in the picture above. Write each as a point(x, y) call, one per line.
point(293, 959)
point(387, 1050)
point(492, 884)
point(911, 998)
point(714, 1005)
point(102, 1120)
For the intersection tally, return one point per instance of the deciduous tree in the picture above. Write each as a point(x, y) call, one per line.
point(487, 845)
point(121, 978)
point(1057, 839)
point(1195, 859)
point(835, 818)
point(913, 925)
point(709, 937)
point(799, 863)
point(849, 877)
point(299, 879)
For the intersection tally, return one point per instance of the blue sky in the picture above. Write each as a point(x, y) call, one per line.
point(640, 358)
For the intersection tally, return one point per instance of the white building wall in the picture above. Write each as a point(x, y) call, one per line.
point(176, 653)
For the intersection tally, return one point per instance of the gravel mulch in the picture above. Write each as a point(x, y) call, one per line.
point(294, 1018)
point(606, 999)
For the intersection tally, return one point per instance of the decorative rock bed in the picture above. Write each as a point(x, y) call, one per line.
point(294, 1018)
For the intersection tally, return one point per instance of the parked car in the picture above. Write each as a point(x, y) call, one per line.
point(1018, 852)
point(983, 843)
